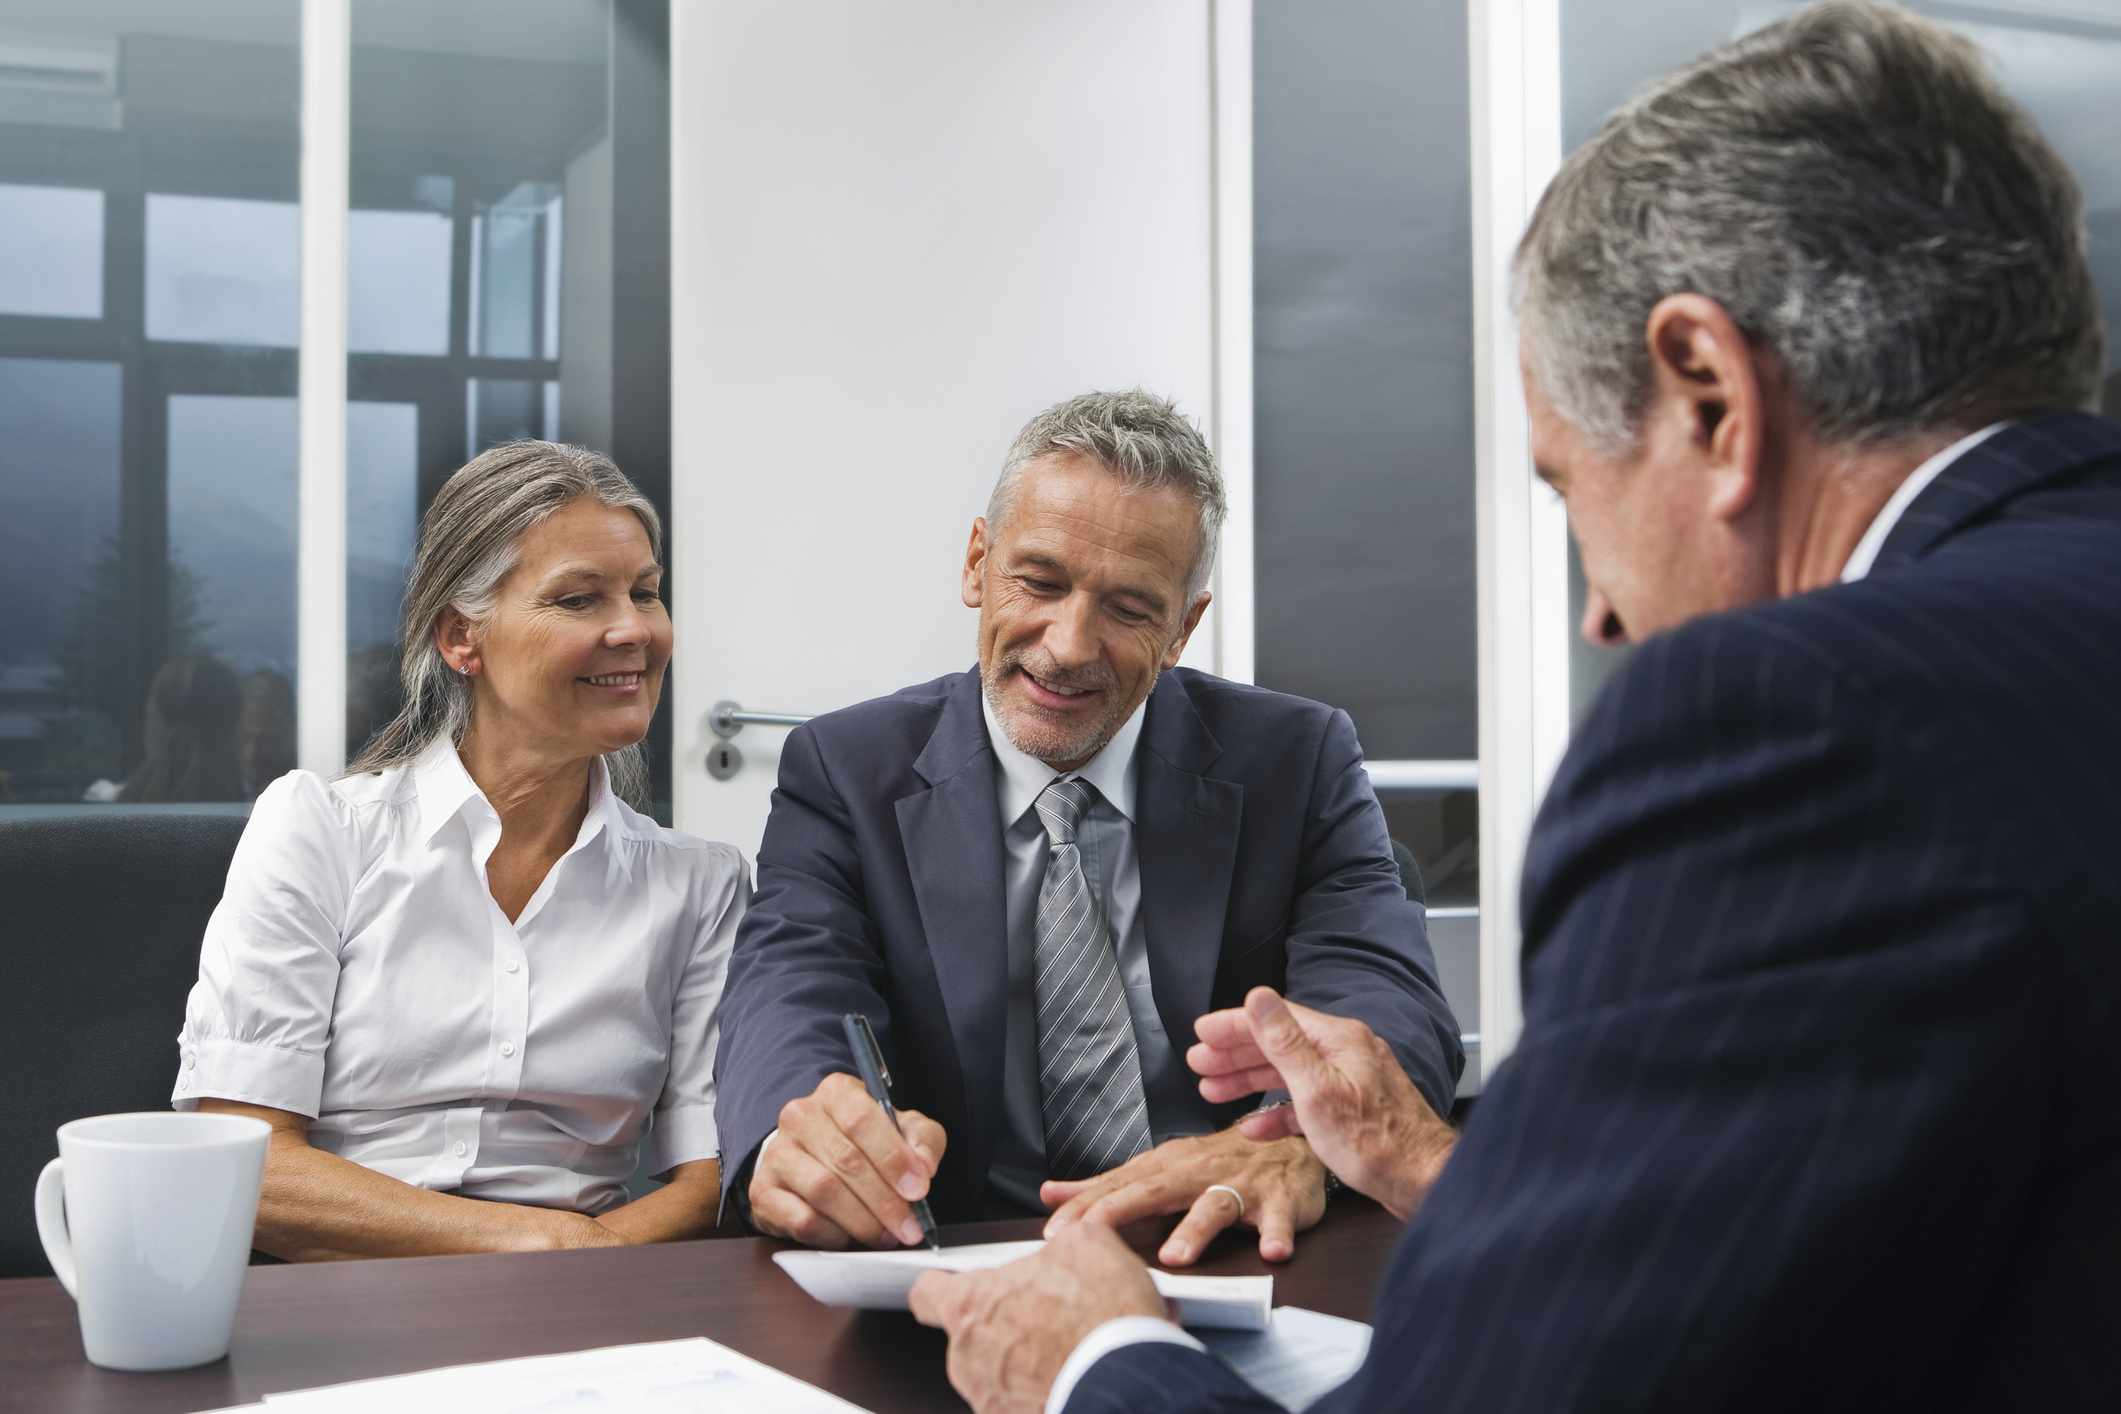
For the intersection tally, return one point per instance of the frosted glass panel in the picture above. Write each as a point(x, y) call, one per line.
point(51, 251)
point(232, 496)
point(223, 270)
point(398, 282)
point(1363, 384)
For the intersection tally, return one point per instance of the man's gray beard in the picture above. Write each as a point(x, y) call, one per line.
point(1099, 737)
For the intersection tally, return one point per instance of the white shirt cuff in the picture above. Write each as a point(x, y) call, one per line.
point(248, 1072)
point(1119, 1331)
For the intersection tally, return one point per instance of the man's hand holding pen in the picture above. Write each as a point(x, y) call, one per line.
point(838, 1172)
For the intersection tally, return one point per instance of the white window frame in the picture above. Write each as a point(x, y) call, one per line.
point(320, 388)
point(1515, 92)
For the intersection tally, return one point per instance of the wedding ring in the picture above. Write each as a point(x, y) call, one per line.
point(1226, 1188)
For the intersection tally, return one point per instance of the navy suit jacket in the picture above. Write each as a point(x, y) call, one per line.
point(1818, 1099)
point(1264, 860)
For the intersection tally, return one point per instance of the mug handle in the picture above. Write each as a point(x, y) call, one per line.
point(51, 1224)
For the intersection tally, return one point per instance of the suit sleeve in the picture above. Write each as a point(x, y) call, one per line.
point(1755, 1147)
point(1357, 945)
point(805, 955)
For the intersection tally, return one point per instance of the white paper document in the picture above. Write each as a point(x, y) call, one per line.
point(666, 1377)
point(879, 1281)
point(1299, 1356)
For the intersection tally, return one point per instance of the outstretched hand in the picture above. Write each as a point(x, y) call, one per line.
point(1348, 1094)
point(1216, 1180)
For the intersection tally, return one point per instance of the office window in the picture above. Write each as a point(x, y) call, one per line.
point(508, 272)
point(1363, 369)
point(1363, 414)
point(510, 193)
point(62, 708)
point(147, 328)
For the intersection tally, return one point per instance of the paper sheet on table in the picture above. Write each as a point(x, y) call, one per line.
point(879, 1281)
point(665, 1377)
point(1299, 1356)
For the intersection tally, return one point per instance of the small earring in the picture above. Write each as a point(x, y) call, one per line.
point(464, 668)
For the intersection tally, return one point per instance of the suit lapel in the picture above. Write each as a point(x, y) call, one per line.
point(2013, 461)
point(953, 843)
point(1186, 828)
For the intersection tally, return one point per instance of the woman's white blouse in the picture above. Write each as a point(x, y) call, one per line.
point(357, 971)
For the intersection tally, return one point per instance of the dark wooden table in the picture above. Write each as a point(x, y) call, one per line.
point(301, 1326)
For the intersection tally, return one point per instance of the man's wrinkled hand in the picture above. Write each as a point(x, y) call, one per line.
point(1282, 1185)
point(838, 1173)
point(1012, 1328)
point(1348, 1094)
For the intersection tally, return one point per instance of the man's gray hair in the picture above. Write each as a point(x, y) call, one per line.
point(1140, 438)
point(1858, 194)
point(470, 540)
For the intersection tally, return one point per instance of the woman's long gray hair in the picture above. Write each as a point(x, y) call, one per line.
point(470, 539)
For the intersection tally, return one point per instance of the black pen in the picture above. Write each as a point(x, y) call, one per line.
point(869, 1060)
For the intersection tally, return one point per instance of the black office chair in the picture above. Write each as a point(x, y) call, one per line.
point(104, 913)
point(1409, 873)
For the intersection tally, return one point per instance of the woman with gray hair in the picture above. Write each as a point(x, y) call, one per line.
point(469, 969)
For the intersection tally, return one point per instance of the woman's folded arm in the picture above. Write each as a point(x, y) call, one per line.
point(316, 1206)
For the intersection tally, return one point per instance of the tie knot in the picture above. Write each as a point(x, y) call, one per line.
point(1060, 808)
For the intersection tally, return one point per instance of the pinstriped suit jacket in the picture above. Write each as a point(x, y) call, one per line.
point(1818, 1100)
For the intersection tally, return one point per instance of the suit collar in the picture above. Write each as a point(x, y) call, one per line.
point(960, 732)
point(1173, 731)
point(2015, 460)
point(1186, 836)
point(1866, 552)
point(953, 846)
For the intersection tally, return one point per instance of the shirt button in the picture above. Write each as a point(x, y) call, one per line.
point(508, 1048)
point(514, 966)
point(190, 1061)
point(462, 1148)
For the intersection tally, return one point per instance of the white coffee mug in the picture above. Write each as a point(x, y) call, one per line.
point(147, 1220)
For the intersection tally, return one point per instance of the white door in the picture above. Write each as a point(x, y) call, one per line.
point(897, 232)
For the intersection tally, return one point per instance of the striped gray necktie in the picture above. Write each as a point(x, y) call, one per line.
point(1089, 1074)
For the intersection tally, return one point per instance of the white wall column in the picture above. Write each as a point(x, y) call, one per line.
point(320, 541)
point(1523, 535)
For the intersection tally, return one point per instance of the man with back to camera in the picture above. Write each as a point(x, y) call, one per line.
point(1814, 1102)
point(1032, 877)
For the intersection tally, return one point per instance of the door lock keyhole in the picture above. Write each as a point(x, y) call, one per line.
point(724, 760)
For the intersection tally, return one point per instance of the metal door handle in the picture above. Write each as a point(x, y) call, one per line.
point(726, 718)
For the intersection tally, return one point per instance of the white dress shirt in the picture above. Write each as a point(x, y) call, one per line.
point(1866, 552)
point(358, 971)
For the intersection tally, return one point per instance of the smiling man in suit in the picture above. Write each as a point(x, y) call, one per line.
point(1033, 876)
point(1813, 1106)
